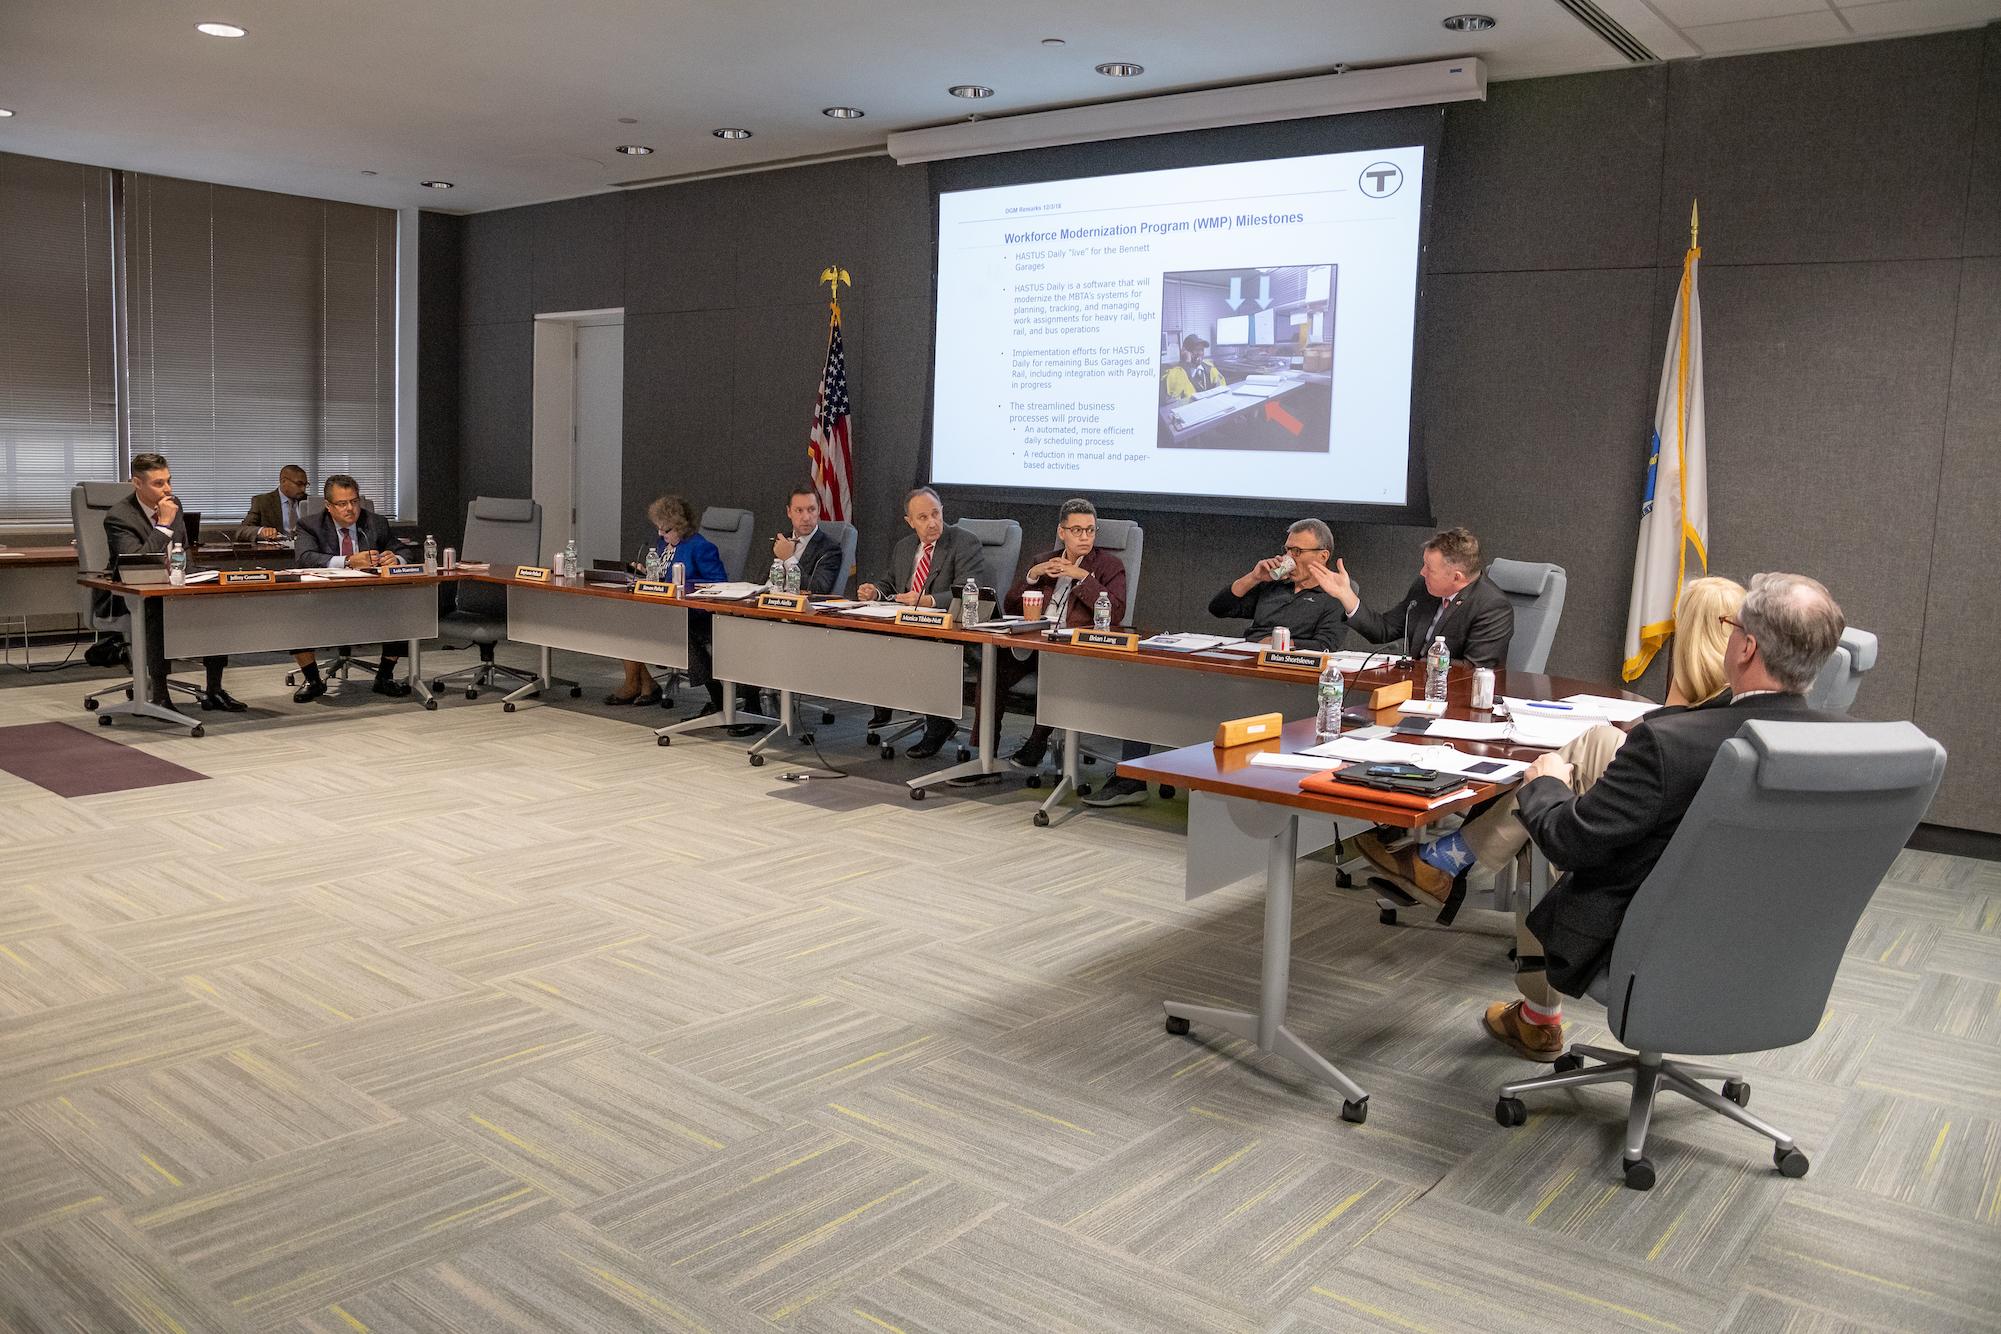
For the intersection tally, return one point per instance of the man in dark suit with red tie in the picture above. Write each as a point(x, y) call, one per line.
point(345, 535)
point(927, 569)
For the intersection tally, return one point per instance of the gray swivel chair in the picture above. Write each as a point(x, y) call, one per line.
point(1837, 683)
point(1000, 550)
point(732, 531)
point(1536, 589)
point(1732, 942)
point(504, 533)
point(88, 502)
point(845, 534)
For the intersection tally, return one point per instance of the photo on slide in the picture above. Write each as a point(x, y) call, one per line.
point(1247, 358)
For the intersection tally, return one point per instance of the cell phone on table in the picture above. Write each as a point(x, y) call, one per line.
point(1484, 767)
point(1402, 771)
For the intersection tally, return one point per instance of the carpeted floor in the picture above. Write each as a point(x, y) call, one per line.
point(473, 1021)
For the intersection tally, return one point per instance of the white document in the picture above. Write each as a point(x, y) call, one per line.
point(1299, 759)
point(1549, 708)
point(728, 592)
point(1424, 708)
point(1547, 732)
point(1457, 729)
point(1613, 710)
point(1188, 643)
point(204, 577)
point(1351, 750)
point(874, 611)
point(335, 572)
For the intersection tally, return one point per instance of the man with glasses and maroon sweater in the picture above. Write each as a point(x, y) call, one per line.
point(1070, 576)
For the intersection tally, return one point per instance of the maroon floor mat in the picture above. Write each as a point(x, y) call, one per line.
point(73, 763)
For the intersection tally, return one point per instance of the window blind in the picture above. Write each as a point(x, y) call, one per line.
point(261, 332)
point(58, 391)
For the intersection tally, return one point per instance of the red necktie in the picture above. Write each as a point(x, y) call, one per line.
point(923, 570)
point(347, 541)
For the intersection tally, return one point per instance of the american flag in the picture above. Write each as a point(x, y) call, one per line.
point(830, 445)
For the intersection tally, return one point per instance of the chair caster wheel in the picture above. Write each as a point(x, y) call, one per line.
point(665, 740)
point(1342, 880)
point(1355, 1112)
point(1567, 1062)
point(430, 706)
point(1387, 916)
point(1083, 789)
point(889, 752)
point(289, 680)
point(1042, 819)
point(1790, 1162)
point(964, 754)
point(472, 694)
point(1511, 1112)
point(873, 739)
point(128, 692)
point(90, 706)
point(1640, 1174)
point(757, 761)
point(104, 720)
point(1167, 792)
point(1177, 1025)
point(198, 730)
point(805, 738)
point(437, 686)
point(1034, 780)
point(917, 794)
point(826, 717)
point(507, 707)
point(576, 692)
point(1738, 1091)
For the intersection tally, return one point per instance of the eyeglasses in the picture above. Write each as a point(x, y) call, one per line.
point(1075, 530)
point(349, 503)
point(1731, 620)
point(1297, 552)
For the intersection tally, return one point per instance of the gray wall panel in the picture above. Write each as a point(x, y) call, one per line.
point(680, 246)
point(792, 224)
point(499, 270)
point(440, 262)
point(1552, 174)
point(579, 254)
point(896, 258)
point(677, 414)
point(1962, 639)
point(1835, 153)
point(1983, 196)
point(496, 394)
point(889, 350)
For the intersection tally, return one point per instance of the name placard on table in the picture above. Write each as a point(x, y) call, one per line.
point(1308, 659)
point(401, 569)
point(534, 574)
point(930, 618)
point(231, 578)
point(655, 588)
point(782, 601)
point(1122, 641)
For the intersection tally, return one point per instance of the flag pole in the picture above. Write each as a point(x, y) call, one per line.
point(1694, 227)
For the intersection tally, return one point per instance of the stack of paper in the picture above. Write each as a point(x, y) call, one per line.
point(1612, 710)
point(1188, 643)
point(736, 592)
point(874, 611)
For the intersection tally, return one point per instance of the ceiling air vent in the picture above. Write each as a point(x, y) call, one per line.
point(1596, 19)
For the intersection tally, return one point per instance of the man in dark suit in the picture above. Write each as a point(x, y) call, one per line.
point(275, 514)
point(816, 554)
point(1608, 837)
point(1448, 598)
point(345, 535)
point(927, 569)
point(143, 523)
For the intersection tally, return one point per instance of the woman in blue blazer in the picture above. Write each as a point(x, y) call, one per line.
point(676, 540)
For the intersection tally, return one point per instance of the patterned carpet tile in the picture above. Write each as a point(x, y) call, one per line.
point(303, 992)
point(955, 990)
point(57, 967)
point(42, 1186)
point(644, 990)
point(98, 1272)
point(55, 1052)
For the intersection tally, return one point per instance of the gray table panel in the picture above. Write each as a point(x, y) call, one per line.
point(1162, 705)
point(893, 671)
point(259, 622)
point(655, 632)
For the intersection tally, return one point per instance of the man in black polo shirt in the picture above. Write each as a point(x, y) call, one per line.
point(1295, 600)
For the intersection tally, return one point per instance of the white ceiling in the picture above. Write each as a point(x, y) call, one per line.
point(519, 100)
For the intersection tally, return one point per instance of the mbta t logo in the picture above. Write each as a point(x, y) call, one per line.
point(1380, 180)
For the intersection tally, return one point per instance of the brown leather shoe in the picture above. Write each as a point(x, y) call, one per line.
point(1405, 869)
point(1504, 1023)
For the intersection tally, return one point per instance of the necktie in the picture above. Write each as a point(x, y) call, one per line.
point(347, 541)
point(1443, 607)
point(923, 570)
point(288, 514)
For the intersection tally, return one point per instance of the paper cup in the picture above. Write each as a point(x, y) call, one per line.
point(1031, 605)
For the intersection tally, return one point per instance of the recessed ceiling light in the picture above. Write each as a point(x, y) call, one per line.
point(1121, 69)
point(1469, 23)
point(634, 150)
point(219, 29)
point(1052, 41)
point(366, 172)
point(973, 91)
point(628, 120)
point(842, 113)
point(437, 185)
point(730, 132)
point(4, 113)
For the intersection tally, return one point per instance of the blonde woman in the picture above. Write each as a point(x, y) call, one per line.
point(677, 540)
point(1533, 1025)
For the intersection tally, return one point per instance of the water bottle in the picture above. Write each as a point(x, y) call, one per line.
point(1437, 663)
point(652, 564)
point(1332, 688)
point(777, 576)
point(792, 578)
point(1101, 612)
point(430, 554)
point(570, 558)
point(177, 564)
point(969, 603)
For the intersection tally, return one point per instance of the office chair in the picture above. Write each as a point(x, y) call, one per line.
point(733, 531)
point(1000, 549)
point(1732, 942)
point(88, 502)
point(1837, 683)
point(504, 533)
point(344, 660)
point(1537, 591)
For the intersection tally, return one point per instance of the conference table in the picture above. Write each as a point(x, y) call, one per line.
point(1264, 807)
point(42, 580)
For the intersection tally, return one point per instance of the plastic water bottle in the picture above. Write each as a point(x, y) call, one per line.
point(570, 558)
point(1437, 664)
point(177, 564)
point(652, 564)
point(777, 576)
point(1101, 612)
point(792, 578)
point(430, 554)
point(1332, 689)
point(969, 603)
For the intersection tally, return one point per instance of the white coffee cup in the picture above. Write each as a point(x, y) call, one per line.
point(1031, 604)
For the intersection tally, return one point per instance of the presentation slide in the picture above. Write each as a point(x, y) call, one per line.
point(1241, 331)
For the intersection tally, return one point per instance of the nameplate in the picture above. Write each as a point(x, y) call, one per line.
point(930, 618)
point(1306, 658)
point(654, 588)
point(534, 574)
point(402, 569)
point(783, 601)
point(1122, 641)
point(230, 578)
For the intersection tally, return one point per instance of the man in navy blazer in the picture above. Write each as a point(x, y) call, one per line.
point(816, 554)
point(345, 535)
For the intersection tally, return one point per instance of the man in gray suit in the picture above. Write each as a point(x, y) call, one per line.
point(143, 523)
point(275, 514)
point(927, 569)
point(345, 536)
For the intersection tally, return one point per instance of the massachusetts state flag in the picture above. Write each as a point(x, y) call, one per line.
point(1674, 510)
point(830, 445)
